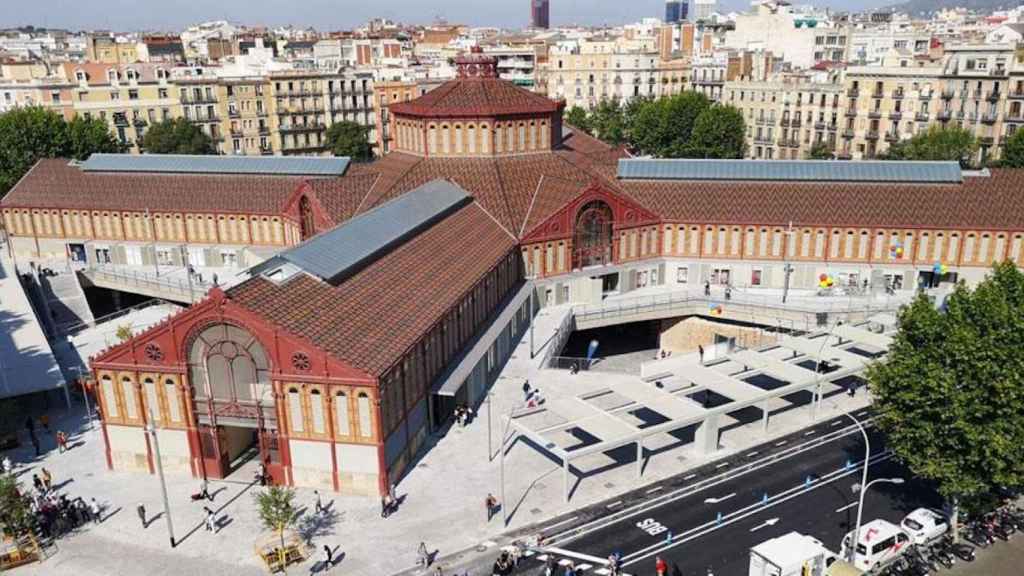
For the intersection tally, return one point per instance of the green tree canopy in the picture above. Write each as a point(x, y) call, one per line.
point(28, 134)
point(607, 122)
point(663, 127)
point(15, 514)
point(1013, 151)
point(577, 118)
point(177, 136)
point(820, 151)
point(950, 394)
point(937, 143)
point(349, 139)
point(718, 132)
point(277, 512)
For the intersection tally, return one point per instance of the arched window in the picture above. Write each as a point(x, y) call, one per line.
point(128, 393)
point(316, 409)
point(295, 410)
point(228, 364)
point(592, 236)
point(306, 225)
point(109, 396)
point(152, 399)
point(173, 403)
point(341, 414)
point(364, 416)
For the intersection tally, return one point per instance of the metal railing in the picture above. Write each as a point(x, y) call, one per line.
point(189, 290)
point(562, 333)
point(75, 327)
point(672, 302)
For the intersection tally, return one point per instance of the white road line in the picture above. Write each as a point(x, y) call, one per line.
point(559, 523)
point(543, 557)
point(529, 553)
point(655, 489)
point(564, 562)
point(584, 567)
point(809, 432)
point(690, 477)
point(601, 571)
point(719, 499)
point(783, 443)
point(752, 454)
point(614, 504)
point(847, 507)
point(576, 555)
point(722, 465)
point(837, 423)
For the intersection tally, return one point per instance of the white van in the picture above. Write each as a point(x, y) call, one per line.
point(880, 543)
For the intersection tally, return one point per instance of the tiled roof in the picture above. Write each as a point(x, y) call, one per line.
point(468, 97)
point(372, 318)
point(55, 183)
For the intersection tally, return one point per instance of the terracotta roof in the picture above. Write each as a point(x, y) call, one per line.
point(993, 202)
point(472, 97)
point(55, 183)
point(371, 319)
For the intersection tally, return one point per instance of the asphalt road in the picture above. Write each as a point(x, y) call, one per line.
point(810, 493)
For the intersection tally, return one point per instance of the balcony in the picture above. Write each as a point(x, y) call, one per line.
point(795, 123)
point(819, 125)
point(898, 95)
point(763, 140)
point(921, 117)
point(943, 115)
point(264, 130)
point(925, 95)
point(314, 127)
point(262, 113)
point(851, 113)
point(872, 135)
point(1015, 94)
point(977, 94)
point(878, 94)
point(948, 94)
point(266, 150)
point(193, 99)
point(989, 118)
point(300, 111)
point(832, 127)
point(236, 132)
point(853, 92)
point(896, 115)
point(992, 95)
point(848, 133)
point(892, 137)
point(971, 116)
point(206, 119)
point(844, 155)
point(297, 93)
point(301, 149)
point(785, 121)
point(986, 140)
point(875, 114)
point(234, 113)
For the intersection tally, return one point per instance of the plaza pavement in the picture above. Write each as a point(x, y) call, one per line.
point(443, 492)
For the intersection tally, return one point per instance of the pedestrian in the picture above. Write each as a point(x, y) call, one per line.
point(707, 288)
point(35, 443)
point(30, 425)
point(393, 494)
point(438, 571)
point(47, 479)
point(700, 350)
point(491, 503)
point(319, 503)
point(95, 510)
point(62, 441)
point(385, 506)
point(6, 467)
point(526, 390)
point(37, 483)
point(570, 569)
point(44, 420)
point(424, 556)
point(215, 283)
point(660, 566)
point(328, 556)
point(204, 491)
point(728, 292)
point(141, 511)
point(662, 354)
point(851, 389)
point(549, 566)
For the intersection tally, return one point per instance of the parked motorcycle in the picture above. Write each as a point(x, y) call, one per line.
point(961, 550)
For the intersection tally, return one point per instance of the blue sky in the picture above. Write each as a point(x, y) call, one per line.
point(325, 14)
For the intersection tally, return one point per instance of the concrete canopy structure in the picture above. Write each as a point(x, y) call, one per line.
point(570, 428)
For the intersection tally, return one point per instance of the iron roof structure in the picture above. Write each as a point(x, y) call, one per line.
point(791, 170)
point(199, 164)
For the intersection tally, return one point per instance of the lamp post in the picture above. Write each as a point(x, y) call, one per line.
point(151, 430)
point(863, 488)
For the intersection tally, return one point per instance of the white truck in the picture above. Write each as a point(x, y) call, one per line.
point(796, 554)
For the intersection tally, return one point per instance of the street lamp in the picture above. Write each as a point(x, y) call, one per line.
point(151, 430)
point(863, 489)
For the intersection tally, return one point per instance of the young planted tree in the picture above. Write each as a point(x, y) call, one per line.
point(719, 132)
point(950, 394)
point(349, 139)
point(15, 513)
point(177, 136)
point(277, 512)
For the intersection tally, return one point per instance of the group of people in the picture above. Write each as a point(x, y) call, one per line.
point(728, 290)
point(508, 560)
point(463, 414)
point(60, 438)
point(55, 514)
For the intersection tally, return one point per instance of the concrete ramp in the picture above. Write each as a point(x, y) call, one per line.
point(27, 363)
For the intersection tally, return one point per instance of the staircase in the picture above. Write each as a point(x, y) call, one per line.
point(65, 300)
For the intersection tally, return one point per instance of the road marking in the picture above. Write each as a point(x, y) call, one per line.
point(614, 504)
point(752, 454)
point(691, 476)
point(783, 443)
point(559, 523)
point(719, 499)
point(564, 562)
point(722, 465)
point(837, 423)
point(862, 412)
point(576, 555)
point(847, 507)
point(768, 522)
point(543, 557)
point(809, 432)
point(584, 567)
point(529, 553)
point(655, 489)
point(601, 571)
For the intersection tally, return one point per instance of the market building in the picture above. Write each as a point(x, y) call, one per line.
point(395, 290)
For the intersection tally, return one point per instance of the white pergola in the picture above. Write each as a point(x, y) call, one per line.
point(555, 425)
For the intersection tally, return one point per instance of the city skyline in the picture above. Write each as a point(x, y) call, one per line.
point(129, 15)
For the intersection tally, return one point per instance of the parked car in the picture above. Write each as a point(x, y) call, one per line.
point(925, 525)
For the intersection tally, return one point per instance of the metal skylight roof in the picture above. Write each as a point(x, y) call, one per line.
point(791, 170)
point(197, 164)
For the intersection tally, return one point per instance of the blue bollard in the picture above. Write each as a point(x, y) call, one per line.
point(808, 481)
point(849, 463)
point(764, 499)
point(719, 519)
point(668, 538)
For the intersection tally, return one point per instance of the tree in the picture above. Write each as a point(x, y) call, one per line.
point(663, 127)
point(577, 118)
point(820, 151)
point(1013, 151)
point(349, 139)
point(177, 136)
point(277, 512)
point(606, 121)
point(87, 136)
point(124, 332)
point(937, 143)
point(718, 132)
point(950, 394)
point(15, 513)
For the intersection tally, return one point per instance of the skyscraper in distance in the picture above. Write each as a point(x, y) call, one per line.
point(673, 11)
point(539, 13)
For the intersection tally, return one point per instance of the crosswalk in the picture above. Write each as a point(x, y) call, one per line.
point(582, 564)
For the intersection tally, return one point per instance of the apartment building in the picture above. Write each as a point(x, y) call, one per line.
point(976, 83)
point(785, 119)
point(128, 97)
point(203, 103)
point(708, 74)
point(34, 84)
point(585, 78)
point(247, 125)
point(305, 104)
point(111, 50)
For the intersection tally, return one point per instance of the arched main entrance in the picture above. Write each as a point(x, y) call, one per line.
point(230, 375)
point(592, 235)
